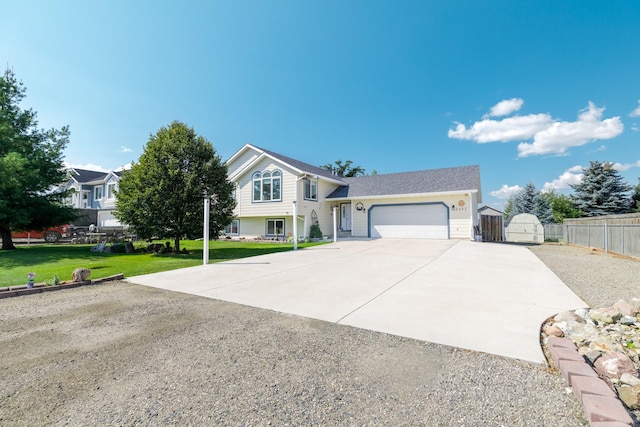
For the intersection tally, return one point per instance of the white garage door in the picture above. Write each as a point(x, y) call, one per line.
point(414, 221)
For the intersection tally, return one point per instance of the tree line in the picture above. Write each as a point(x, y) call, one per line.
point(602, 191)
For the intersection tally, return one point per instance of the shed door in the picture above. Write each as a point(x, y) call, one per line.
point(409, 221)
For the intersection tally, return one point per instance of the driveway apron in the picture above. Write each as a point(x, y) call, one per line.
point(479, 296)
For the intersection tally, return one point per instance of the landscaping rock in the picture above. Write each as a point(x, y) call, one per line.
point(566, 316)
point(613, 364)
point(626, 308)
point(630, 395)
point(80, 274)
point(553, 331)
point(629, 379)
point(607, 315)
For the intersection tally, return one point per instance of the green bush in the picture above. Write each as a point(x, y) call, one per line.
point(315, 232)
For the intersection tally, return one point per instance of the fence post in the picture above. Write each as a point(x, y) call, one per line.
point(606, 239)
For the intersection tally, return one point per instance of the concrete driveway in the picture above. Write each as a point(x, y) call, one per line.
point(478, 296)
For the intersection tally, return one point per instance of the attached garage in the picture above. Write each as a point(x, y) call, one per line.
point(409, 221)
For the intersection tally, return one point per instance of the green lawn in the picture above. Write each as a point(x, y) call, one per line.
point(61, 259)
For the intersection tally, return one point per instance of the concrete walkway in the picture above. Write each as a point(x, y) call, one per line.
point(479, 296)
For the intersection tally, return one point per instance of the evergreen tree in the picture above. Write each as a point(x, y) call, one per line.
point(529, 200)
point(601, 191)
point(635, 198)
point(31, 168)
point(162, 194)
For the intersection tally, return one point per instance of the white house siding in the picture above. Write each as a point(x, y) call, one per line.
point(244, 193)
point(460, 217)
point(110, 202)
point(257, 226)
point(241, 161)
point(253, 215)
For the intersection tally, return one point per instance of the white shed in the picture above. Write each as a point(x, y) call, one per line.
point(524, 227)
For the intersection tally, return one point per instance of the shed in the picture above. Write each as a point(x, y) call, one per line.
point(524, 227)
point(491, 224)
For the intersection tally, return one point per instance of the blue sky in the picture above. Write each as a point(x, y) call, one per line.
point(529, 90)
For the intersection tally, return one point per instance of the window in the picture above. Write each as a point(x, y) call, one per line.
point(267, 186)
point(111, 191)
point(310, 189)
point(97, 195)
point(275, 227)
point(233, 228)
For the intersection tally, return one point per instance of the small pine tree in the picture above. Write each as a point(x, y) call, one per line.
point(602, 191)
point(529, 200)
point(635, 198)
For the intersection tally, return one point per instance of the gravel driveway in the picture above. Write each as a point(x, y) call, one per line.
point(122, 354)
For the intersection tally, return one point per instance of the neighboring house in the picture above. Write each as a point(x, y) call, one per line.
point(431, 204)
point(96, 191)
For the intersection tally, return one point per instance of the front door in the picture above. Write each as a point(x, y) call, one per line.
point(345, 216)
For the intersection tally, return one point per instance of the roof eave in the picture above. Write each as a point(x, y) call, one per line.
point(407, 195)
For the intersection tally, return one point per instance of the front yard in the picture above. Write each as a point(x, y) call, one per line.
point(47, 261)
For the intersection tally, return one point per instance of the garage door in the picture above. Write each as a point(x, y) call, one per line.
point(409, 221)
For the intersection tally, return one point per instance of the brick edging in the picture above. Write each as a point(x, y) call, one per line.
point(16, 291)
point(600, 403)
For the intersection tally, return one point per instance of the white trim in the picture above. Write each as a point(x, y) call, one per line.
point(262, 155)
point(95, 192)
point(396, 196)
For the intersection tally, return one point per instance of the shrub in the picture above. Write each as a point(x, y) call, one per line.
point(315, 232)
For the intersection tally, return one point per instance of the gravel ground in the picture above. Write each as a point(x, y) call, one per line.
point(600, 279)
point(123, 354)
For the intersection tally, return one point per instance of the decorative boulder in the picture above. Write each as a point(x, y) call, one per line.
point(630, 395)
point(80, 274)
point(613, 364)
point(606, 315)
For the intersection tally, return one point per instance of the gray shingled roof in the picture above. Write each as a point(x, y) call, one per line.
point(84, 175)
point(419, 182)
point(305, 167)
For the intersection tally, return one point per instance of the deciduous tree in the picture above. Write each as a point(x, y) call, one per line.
point(162, 194)
point(31, 168)
point(344, 169)
point(561, 206)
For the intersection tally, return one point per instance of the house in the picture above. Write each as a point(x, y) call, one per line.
point(94, 191)
point(272, 189)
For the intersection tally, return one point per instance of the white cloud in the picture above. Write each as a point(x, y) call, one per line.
point(87, 166)
point(506, 107)
point(575, 169)
point(124, 149)
point(505, 191)
point(123, 167)
point(505, 130)
point(625, 166)
point(560, 136)
point(636, 112)
point(548, 136)
point(569, 177)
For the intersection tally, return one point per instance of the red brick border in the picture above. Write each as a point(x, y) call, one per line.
point(600, 404)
